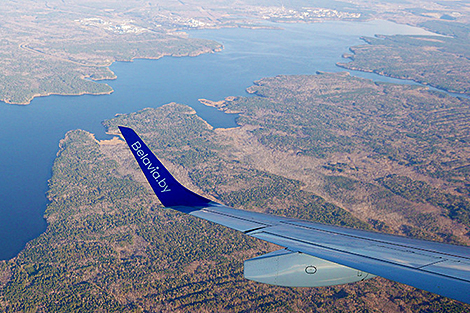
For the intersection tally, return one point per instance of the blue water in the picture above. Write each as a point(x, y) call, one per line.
point(29, 135)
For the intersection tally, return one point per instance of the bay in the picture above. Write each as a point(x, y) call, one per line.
point(29, 135)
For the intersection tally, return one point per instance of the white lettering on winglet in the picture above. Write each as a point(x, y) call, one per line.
point(153, 170)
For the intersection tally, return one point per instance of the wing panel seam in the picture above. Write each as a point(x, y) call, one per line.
point(236, 217)
point(438, 261)
point(253, 229)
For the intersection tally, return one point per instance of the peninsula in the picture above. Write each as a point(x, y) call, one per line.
point(58, 47)
point(330, 148)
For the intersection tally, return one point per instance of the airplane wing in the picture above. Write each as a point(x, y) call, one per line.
point(317, 254)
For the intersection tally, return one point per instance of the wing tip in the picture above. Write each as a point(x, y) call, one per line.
point(169, 191)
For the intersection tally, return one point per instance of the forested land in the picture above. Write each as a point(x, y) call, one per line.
point(110, 246)
point(329, 147)
point(64, 48)
point(364, 131)
point(439, 61)
point(52, 47)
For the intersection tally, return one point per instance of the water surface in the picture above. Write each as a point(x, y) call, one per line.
point(29, 135)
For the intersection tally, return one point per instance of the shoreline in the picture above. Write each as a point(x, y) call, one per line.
point(57, 94)
point(81, 93)
point(219, 105)
point(423, 83)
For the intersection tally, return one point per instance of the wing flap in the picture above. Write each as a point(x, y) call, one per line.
point(367, 249)
point(381, 238)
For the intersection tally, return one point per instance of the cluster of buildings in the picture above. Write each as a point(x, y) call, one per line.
point(305, 14)
point(121, 27)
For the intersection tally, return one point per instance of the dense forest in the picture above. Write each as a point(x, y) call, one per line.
point(110, 246)
point(441, 61)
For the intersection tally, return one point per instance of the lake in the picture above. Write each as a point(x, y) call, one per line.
point(30, 135)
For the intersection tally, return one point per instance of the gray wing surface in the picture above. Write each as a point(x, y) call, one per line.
point(440, 268)
point(436, 267)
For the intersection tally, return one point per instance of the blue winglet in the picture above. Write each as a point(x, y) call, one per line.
point(168, 190)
